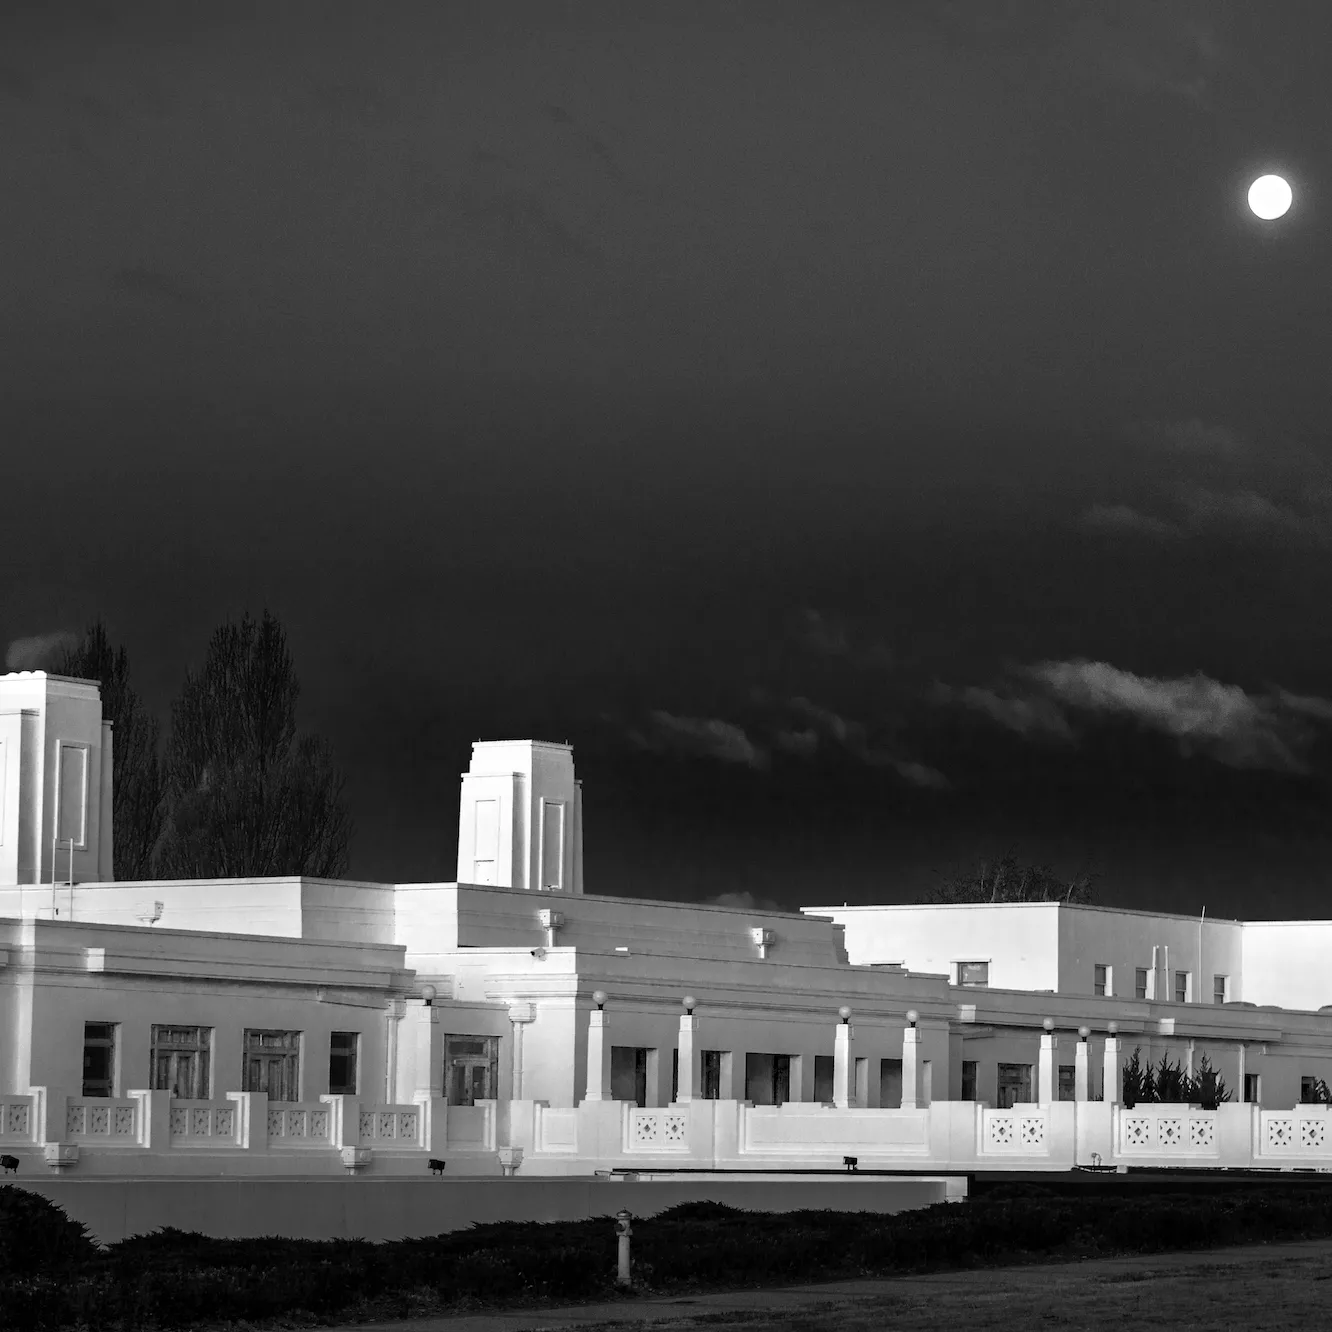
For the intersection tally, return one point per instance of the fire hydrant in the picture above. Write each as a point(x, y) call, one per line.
point(622, 1232)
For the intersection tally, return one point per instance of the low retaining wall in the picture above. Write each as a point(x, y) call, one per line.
point(382, 1209)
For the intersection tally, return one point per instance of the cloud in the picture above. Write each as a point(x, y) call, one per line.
point(1203, 715)
point(40, 651)
point(746, 901)
point(1248, 511)
point(706, 737)
point(1026, 716)
point(828, 636)
point(803, 744)
point(1192, 437)
point(852, 737)
point(1122, 518)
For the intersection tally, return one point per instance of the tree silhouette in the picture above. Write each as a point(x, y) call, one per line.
point(136, 769)
point(246, 796)
point(1010, 880)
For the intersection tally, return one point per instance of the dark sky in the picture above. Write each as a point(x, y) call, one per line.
point(873, 434)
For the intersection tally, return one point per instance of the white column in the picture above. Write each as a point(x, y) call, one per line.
point(598, 1052)
point(1113, 1086)
point(911, 1064)
point(519, 1015)
point(1081, 1069)
point(689, 1069)
point(842, 1061)
point(1239, 1091)
point(1049, 1044)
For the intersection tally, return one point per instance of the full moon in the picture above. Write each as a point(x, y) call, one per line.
point(1269, 197)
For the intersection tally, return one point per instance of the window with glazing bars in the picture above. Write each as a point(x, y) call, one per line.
point(181, 1061)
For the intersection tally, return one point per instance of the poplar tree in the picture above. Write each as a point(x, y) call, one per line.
point(136, 769)
point(1009, 879)
point(245, 795)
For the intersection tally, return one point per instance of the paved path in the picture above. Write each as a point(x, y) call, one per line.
point(854, 1296)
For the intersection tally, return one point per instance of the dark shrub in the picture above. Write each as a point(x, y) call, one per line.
point(37, 1236)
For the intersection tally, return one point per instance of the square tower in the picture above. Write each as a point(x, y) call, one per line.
point(520, 818)
point(55, 780)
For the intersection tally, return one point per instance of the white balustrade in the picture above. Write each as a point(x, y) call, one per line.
point(555, 1130)
point(1166, 1130)
point(655, 1130)
point(389, 1126)
point(103, 1121)
point(204, 1123)
point(811, 1130)
point(298, 1125)
point(471, 1128)
point(1022, 1130)
point(18, 1118)
point(1302, 1131)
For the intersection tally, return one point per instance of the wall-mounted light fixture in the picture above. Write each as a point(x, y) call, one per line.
point(763, 939)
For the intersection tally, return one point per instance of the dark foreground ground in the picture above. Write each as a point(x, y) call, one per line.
point(1257, 1287)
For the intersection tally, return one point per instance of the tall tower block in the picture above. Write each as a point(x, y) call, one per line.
point(55, 780)
point(520, 819)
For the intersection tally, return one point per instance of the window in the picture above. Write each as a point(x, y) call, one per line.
point(973, 973)
point(1308, 1091)
point(767, 1079)
point(471, 1069)
point(99, 1058)
point(1220, 989)
point(1140, 983)
point(1068, 1082)
point(629, 1064)
point(890, 1084)
point(1251, 1089)
point(272, 1064)
point(1181, 987)
point(1014, 1085)
point(342, 1062)
point(823, 1079)
point(712, 1075)
point(181, 1060)
point(1100, 979)
point(968, 1079)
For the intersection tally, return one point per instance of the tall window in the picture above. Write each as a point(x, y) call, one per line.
point(1068, 1082)
point(1014, 1085)
point(629, 1073)
point(767, 1078)
point(890, 1083)
point(1252, 1093)
point(342, 1063)
point(1181, 987)
point(1220, 989)
point(712, 1075)
point(968, 1079)
point(471, 1069)
point(271, 1063)
point(1100, 979)
point(1308, 1091)
point(1140, 983)
point(99, 1058)
point(180, 1061)
point(973, 974)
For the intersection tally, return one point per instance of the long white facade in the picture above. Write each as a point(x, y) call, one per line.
point(296, 1025)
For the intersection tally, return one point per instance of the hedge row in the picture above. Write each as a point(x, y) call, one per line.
point(174, 1280)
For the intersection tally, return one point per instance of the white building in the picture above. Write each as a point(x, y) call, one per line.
point(302, 1026)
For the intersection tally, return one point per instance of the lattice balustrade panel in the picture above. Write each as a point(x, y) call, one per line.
point(76, 1119)
point(226, 1123)
point(1136, 1133)
point(367, 1124)
point(1280, 1136)
point(386, 1124)
point(1000, 1132)
point(1313, 1135)
point(123, 1121)
point(99, 1120)
point(654, 1129)
point(17, 1120)
point(1031, 1132)
point(1202, 1134)
point(1170, 1133)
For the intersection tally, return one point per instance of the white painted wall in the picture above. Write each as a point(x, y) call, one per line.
point(1288, 962)
point(1019, 941)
